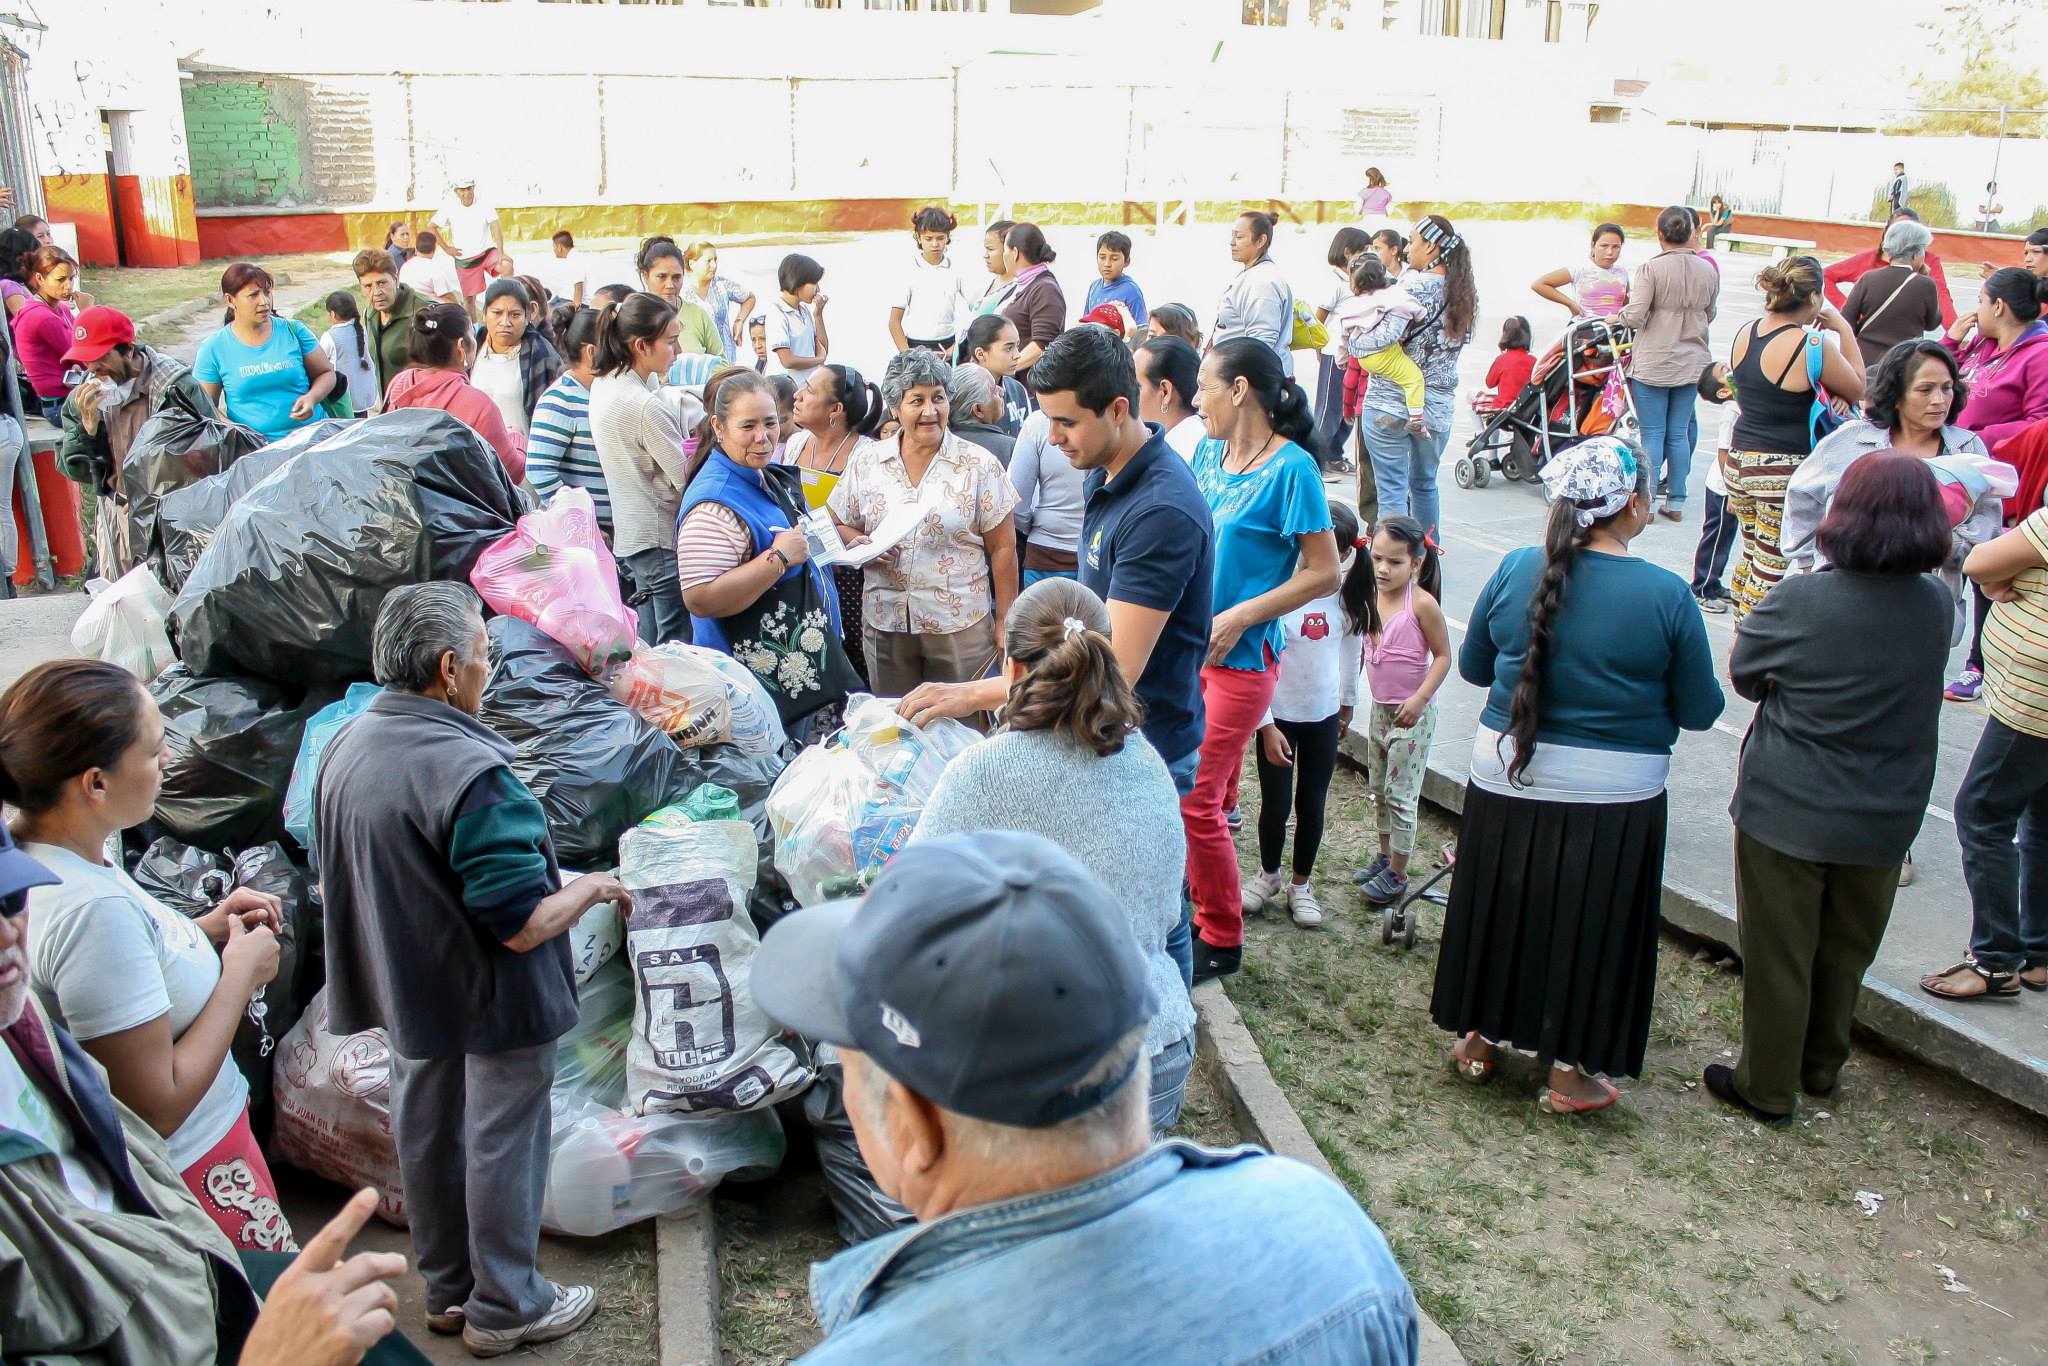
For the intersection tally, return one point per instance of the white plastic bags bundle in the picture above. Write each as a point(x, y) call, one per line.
point(124, 624)
point(699, 697)
point(843, 809)
point(700, 1044)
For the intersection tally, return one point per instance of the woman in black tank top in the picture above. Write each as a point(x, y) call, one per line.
point(1773, 432)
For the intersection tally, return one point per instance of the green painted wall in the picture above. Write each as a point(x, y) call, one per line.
point(246, 139)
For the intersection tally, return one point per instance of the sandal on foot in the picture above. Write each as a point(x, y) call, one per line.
point(1478, 1071)
point(2039, 983)
point(1998, 986)
point(1557, 1102)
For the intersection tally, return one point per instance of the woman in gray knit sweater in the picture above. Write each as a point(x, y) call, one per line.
point(1071, 765)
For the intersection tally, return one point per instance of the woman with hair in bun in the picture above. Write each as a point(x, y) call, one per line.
point(154, 996)
point(1769, 367)
point(837, 414)
point(1070, 764)
point(438, 357)
point(663, 269)
point(1274, 552)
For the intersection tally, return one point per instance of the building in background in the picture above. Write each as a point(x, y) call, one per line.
point(105, 143)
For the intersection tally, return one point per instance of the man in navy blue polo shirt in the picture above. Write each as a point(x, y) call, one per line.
point(1147, 546)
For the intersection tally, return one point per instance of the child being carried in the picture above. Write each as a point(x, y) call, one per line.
point(1374, 299)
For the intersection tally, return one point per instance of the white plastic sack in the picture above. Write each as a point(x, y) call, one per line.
point(124, 624)
point(607, 1169)
point(700, 697)
point(333, 1098)
point(595, 938)
point(843, 809)
point(700, 1043)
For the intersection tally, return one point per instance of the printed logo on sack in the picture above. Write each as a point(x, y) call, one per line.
point(688, 1004)
point(905, 1032)
point(1315, 626)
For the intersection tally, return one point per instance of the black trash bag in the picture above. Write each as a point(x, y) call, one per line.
point(189, 881)
point(175, 448)
point(597, 767)
point(232, 744)
point(859, 1207)
point(290, 587)
point(187, 518)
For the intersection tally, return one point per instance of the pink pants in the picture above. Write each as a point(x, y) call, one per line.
point(233, 1185)
point(1234, 700)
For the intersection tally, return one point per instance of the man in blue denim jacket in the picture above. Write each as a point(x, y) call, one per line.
point(991, 1007)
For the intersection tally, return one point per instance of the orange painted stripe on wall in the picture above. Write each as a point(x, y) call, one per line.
point(149, 220)
point(83, 200)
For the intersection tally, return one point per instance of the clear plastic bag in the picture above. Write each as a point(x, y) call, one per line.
point(843, 809)
point(700, 697)
point(700, 1043)
point(125, 624)
point(325, 725)
point(590, 1060)
point(555, 571)
point(607, 1169)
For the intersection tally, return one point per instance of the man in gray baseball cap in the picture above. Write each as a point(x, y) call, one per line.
point(990, 1009)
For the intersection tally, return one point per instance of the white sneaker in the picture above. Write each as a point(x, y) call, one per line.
point(1303, 906)
point(1260, 892)
point(573, 1306)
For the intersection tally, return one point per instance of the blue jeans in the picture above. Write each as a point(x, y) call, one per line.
point(2006, 792)
point(1032, 576)
point(1666, 412)
point(1170, 1068)
point(1404, 463)
point(660, 598)
point(1180, 944)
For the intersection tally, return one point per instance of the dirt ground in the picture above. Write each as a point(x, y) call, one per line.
point(1670, 1228)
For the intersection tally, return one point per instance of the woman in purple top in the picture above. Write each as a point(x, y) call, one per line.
point(1375, 200)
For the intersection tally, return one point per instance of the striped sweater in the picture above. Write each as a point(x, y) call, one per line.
point(559, 451)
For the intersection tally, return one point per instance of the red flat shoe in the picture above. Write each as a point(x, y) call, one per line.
point(1558, 1103)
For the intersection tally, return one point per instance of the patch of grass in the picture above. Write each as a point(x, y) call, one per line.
point(1669, 1228)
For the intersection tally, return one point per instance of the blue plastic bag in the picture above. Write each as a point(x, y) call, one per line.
point(326, 723)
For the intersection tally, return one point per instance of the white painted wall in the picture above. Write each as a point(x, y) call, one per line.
point(103, 54)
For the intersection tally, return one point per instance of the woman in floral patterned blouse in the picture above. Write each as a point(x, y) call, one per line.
point(932, 604)
point(743, 564)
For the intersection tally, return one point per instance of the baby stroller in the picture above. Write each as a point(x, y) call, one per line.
point(1578, 389)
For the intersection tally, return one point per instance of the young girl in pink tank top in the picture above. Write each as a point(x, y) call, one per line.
point(1407, 657)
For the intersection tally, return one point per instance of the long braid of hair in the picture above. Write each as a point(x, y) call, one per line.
point(1563, 539)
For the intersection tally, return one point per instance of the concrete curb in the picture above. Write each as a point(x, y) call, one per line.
point(686, 1288)
point(1231, 1056)
point(1913, 1025)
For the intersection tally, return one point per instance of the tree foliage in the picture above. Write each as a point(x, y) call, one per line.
point(1981, 40)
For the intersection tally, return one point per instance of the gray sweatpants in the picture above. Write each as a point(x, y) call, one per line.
point(472, 1138)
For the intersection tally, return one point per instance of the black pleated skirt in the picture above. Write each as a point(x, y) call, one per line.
point(1550, 937)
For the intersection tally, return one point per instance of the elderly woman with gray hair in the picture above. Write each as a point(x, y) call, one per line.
point(1897, 302)
point(976, 398)
point(933, 600)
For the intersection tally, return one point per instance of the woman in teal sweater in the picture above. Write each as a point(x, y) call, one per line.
point(1594, 660)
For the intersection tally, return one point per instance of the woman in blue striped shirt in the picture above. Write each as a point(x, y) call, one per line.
point(559, 451)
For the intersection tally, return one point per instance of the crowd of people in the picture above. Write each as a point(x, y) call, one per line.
point(1108, 543)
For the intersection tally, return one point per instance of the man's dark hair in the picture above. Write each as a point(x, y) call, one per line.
point(426, 242)
point(610, 294)
point(1117, 242)
point(564, 239)
point(1173, 360)
point(1092, 363)
point(2038, 238)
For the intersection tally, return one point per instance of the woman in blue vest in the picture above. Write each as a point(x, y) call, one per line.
point(743, 565)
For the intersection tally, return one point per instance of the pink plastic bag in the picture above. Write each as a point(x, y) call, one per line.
point(556, 572)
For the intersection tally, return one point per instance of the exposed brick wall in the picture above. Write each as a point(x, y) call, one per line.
point(247, 140)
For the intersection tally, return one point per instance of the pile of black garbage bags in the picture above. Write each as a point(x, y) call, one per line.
point(278, 558)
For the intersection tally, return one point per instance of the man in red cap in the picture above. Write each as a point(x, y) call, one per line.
point(128, 382)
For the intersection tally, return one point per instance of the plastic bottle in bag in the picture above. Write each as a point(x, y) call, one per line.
point(589, 1178)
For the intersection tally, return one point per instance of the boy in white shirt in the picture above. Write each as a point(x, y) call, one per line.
point(932, 299)
point(796, 322)
point(431, 272)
